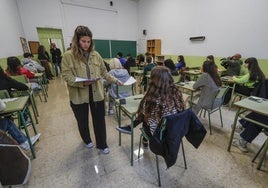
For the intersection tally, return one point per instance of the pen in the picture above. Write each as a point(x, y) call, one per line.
point(137, 98)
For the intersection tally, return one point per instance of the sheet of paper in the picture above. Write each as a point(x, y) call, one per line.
point(78, 79)
point(130, 81)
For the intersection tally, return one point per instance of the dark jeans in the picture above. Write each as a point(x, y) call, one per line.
point(7, 124)
point(56, 65)
point(252, 130)
point(243, 90)
point(98, 118)
point(145, 126)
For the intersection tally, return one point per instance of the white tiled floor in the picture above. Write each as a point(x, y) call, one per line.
point(63, 161)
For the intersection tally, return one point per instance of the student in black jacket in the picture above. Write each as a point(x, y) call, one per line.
point(8, 83)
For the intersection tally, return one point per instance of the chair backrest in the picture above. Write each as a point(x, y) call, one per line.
point(177, 79)
point(132, 69)
point(218, 101)
point(123, 89)
point(20, 78)
point(4, 94)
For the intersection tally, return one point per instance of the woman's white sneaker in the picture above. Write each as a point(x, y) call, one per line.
point(105, 151)
point(90, 145)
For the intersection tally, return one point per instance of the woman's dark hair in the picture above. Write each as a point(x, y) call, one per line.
point(255, 73)
point(13, 65)
point(2, 73)
point(182, 60)
point(161, 85)
point(170, 64)
point(149, 59)
point(210, 58)
point(81, 31)
point(210, 68)
point(140, 58)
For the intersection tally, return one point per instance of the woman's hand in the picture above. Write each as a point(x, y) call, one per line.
point(118, 82)
point(87, 83)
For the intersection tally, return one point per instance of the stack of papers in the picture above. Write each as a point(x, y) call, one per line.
point(130, 81)
point(78, 79)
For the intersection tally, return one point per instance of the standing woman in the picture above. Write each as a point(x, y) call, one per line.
point(83, 61)
point(247, 82)
point(44, 59)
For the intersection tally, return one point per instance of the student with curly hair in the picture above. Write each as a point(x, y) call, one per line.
point(162, 98)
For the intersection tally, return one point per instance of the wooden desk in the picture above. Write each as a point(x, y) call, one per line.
point(40, 78)
point(194, 73)
point(139, 74)
point(246, 105)
point(189, 87)
point(20, 106)
point(130, 110)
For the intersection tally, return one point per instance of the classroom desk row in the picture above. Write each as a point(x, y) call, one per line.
point(245, 105)
point(19, 106)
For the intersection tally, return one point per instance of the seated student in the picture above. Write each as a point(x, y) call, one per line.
point(121, 59)
point(232, 65)
point(181, 63)
point(28, 63)
point(249, 131)
point(140, 61)
point(14, 68)
point(44, 58)
point(247, 82)
point(130, 63)
point(150, 65)
point(209, 83)
point(170, 64)
point(6, 124)
point(121, 74)
point(8, 83)
point(163, 98)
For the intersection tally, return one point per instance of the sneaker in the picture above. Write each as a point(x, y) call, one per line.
point(90, 145)
point(126, 129)
point(105, 151)
point(240, 145)
point(26, 146)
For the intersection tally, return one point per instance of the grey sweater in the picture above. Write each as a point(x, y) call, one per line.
point(208, 92)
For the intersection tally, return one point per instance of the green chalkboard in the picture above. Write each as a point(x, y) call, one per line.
point(110, 48)
point(126, 47)
point(103, 47)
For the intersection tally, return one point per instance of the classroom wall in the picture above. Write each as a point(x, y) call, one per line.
point(117, 22)
point(11, 29)
point(229, 26)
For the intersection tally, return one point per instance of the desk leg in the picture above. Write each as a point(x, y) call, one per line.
point(132, 140)
point(192, 96)
point(263, 154)
point(119, 123)
point(232, 95)
point(233, 130)
point(34, 107)
point(23, 125)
